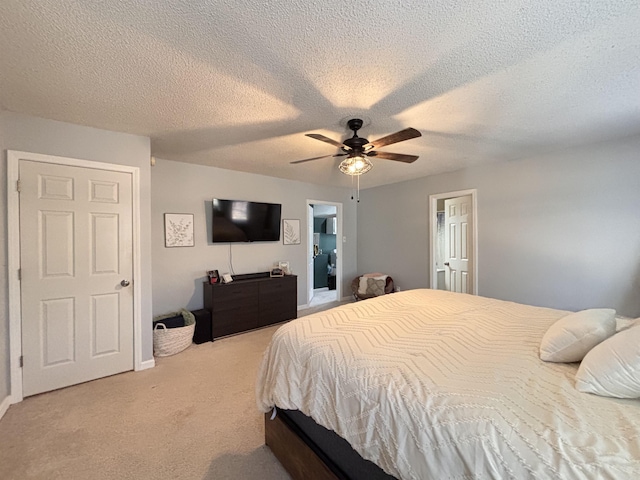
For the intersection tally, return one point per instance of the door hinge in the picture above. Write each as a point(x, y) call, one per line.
point(20, 274)
point(21, 361)
point(18, 185)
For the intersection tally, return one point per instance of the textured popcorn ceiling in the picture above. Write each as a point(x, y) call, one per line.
point(236, 83)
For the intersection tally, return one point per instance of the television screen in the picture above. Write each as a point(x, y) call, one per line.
point(242, 221)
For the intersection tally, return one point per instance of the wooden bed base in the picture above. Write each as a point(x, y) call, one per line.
point(291, 447)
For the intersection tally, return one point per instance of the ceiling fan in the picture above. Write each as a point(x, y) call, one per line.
point(357, 149)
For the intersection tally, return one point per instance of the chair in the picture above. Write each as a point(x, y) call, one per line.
point(355, 286)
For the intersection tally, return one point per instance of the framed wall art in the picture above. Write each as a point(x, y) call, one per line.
point(291, 232)
point(178, 230)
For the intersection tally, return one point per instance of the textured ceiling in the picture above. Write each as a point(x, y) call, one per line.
point(236, 83)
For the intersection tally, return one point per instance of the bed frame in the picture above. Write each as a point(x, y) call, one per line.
point(297, 458)
point(309, 451)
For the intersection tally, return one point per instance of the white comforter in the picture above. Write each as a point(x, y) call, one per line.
point(434, 385)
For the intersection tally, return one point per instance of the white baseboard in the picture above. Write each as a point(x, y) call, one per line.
point(347, 298)
point(147, 364)
point(4, 405)
point(303, 307)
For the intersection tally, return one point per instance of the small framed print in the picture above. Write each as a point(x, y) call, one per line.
point(276, 272)
point(178, 230)
point(284, 266)
point(291, 232)
point(227, 278)
point(214, 276)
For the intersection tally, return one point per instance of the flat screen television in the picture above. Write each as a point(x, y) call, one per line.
point(242, 221)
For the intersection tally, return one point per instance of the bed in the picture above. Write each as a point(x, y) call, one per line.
point(429, 384)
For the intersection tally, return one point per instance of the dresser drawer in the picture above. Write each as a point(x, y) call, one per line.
point(234, 321)
point(276, 286)
point(234, 294)
point(278, 300)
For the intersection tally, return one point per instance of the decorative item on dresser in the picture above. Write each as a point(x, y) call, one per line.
point(284, 266)
point(253, 300)
point(276, 272)
point(214, 276)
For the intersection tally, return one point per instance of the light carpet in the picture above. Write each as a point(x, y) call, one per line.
point(193, 416)
point(322, 296)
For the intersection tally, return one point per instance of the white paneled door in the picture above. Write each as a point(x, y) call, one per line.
point(76, 273)
point(458, 244)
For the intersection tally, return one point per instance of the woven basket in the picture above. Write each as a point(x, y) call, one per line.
point(169, 341)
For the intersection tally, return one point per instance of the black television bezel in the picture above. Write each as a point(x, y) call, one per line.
point(261, 240)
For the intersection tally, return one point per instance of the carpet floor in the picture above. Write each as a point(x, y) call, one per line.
point(193, 416)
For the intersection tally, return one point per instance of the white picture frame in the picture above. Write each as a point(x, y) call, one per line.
point(291, 232)
point(284, 266)
point(178, 230)
point(227, 278)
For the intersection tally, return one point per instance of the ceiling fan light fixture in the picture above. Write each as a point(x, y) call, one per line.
point(358, 149)
point(356, 165)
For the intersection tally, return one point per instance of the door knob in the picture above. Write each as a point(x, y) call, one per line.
point(446, 264)
point(125, 283)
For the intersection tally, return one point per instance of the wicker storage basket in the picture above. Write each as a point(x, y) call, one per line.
point(169, 341)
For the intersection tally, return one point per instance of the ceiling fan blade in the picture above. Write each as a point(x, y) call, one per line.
point(401, 136)
point(322, 138)
point(317, 158)
point(399, 157)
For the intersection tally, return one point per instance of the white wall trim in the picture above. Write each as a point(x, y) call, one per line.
point(339, 243)
point(13, 261)
point(146, 365)
point(4, 405)
point(13, 264)
point(137, 274)
point(433, 231)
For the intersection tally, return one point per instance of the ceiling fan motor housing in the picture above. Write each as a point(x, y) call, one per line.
point(355, 143)
point(354, 124)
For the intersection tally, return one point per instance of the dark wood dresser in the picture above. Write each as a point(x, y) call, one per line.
point(250, 301)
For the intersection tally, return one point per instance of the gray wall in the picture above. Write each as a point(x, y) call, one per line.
point(178, 273)
point(561, 231)
point(37, 135)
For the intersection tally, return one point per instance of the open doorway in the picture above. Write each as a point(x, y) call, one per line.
point(324, 255)
point(453, 239)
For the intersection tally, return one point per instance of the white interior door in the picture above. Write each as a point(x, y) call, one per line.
point(75, 250)
point(458, 244)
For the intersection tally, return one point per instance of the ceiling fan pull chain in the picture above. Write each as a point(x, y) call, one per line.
point(352, 187)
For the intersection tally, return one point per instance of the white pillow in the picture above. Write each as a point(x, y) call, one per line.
point(362, 287)
point(622, 323)
point(571, 337)
point(612, 369)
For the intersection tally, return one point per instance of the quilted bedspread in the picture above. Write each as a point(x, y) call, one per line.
point(433, 385)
